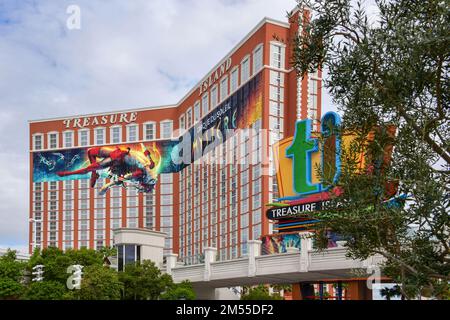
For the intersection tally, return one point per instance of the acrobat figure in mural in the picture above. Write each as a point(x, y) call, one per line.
point(123, 167)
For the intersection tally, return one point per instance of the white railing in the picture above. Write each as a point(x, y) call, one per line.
point(254, 266)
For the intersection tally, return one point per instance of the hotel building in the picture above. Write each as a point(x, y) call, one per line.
point(205, 204)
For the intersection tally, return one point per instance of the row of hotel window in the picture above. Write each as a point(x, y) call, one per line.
point(132, 135)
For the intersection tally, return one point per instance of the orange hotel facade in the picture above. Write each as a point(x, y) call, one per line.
point(203, 205)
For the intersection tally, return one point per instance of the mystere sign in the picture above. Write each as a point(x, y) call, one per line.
point(294, 210)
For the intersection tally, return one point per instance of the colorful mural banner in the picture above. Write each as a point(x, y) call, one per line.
point(239, 111)
point(47, 164)
point(279, 243)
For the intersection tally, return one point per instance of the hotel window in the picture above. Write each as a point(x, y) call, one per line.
point(166, 129)
point(276, 109)
point(83, 137)
point(276, 124)
point(245, 69)
point(53, 140)
point(256, 173)
point(244, 220)
point(244, 206)
point(258, 59)
point(182, 124)
point(149, 211)
point(132, 215)
point(116, 134)
point(313, 103)
point(128, 254)
point(68, 139)
point(256, 231)
point(99, 135)
point(234, 79)
point(276, 93)
point(277, 78)
point(149, 131)
point(256, 217)
point(166, 211)
point(132, 133)
point(213, 97)
point(223, 88)
point(166, 188)
point(188, 118)
point(256, 201)
point(196, 111)
point(205, 104)
point(244, 239)
point(277, 52)
point(37, 142)
point(256, 188)
point(165, 178)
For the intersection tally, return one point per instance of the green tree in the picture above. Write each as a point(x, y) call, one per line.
point(99, 283)
point(10, 289)
point(390, 293)
point(284, 287)
point(11, 274)
point(179, 291)
point(384, 72)
point(55, 264)
point(260, 293)
point(46, 290)
point(144, 281)
point(86, 257)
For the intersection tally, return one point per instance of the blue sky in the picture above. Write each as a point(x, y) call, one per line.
point(127, 54)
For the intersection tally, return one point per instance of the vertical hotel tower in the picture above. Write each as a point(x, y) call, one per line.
point(206, 203)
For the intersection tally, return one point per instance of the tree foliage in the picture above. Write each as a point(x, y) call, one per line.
point(46, 290)
point(384, 72)
point(140, 281)
point(11, 274)
point(144, 281)
point(389, 293)
point(260, 293)
point(179, 291)
point(56, 261)
point(99, 283)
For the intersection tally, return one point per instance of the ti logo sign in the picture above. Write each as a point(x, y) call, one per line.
point(298, 159)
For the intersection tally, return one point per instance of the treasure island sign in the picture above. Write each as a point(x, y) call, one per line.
point(297, 160)
point(300, 163)
point(116, 118)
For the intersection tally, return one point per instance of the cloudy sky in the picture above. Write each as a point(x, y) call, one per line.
point(127, 54)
